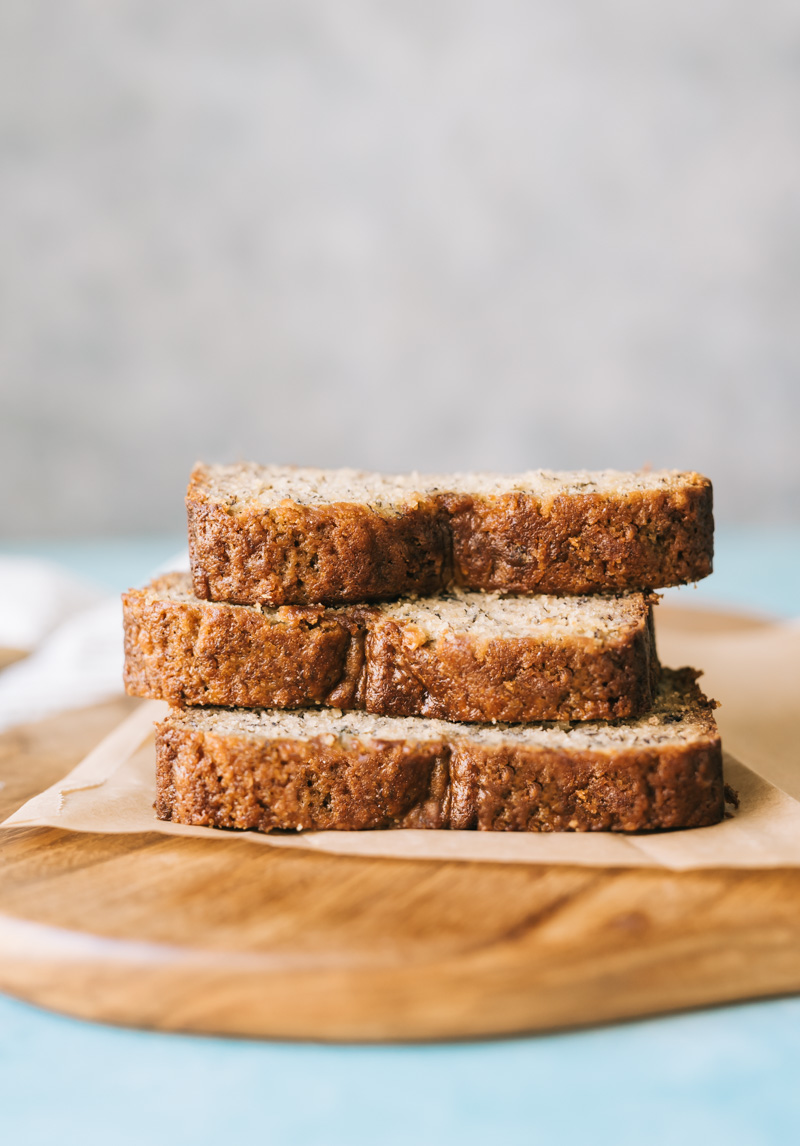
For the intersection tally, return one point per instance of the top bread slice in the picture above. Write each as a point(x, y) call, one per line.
point(281, 535)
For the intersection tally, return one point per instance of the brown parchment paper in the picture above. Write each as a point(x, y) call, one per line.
point(755, 673)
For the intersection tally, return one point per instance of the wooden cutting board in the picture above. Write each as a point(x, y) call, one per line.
point(182, 934)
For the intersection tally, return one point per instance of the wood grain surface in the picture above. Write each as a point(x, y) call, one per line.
point(223, 937)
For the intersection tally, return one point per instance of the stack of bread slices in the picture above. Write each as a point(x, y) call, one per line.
point(354, 650)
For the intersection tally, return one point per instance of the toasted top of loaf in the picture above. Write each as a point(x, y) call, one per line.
point(681, 715)
point(481, 615)
point(246, 483)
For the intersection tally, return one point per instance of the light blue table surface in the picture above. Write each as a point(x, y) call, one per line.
point(729, 1075)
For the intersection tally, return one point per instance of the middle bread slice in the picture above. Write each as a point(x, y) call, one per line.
point(461, 657)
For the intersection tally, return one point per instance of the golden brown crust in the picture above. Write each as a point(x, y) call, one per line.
point(591, 543)
point(218, 654)
point(512, 680)
point(238, 782)
point(574, 543)
point(296, 554)
point(204, 653)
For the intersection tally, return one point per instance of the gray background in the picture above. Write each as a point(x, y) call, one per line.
point(400, 234)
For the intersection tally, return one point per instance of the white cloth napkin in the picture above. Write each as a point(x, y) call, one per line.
point(36, 597)
point(73, 631)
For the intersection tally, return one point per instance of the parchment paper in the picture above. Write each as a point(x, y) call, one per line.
point(753, 672)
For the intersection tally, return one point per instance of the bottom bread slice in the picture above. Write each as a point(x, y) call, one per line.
point(319, 769)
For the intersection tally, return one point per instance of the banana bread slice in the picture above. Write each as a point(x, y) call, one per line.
point(320, 769)
point(282, 535)
point(461, 656)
